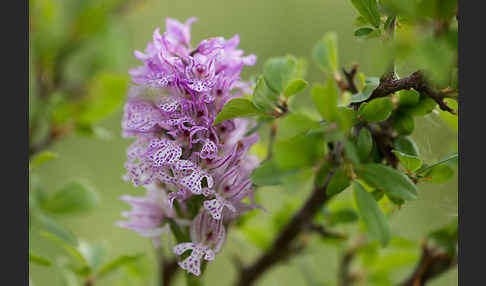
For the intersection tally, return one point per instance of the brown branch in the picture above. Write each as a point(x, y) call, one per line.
point(416, 81)
point(350, 85)
point(432, 263)
point(282, 246)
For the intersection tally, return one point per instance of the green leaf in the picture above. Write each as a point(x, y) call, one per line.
point(73, 251)
point(411, 163)
point(325, 53)
point(325, 99)
point(438, 173)
point(41, 158)
point(377, 110)
point(339, 182)
point(278, 72)
point(424, 107)
point(342, 216)
point(364, 144)
point(237, 107)
point(93, 253)
point(442, 161)
point(269, 173)
point(299, 151)
point(264, 98)
point(351, 152)
point(73, 197)
point(364, 94)
point(363, 31)
point(408, 97)
point(295, 87)
point(403, 123)
point(105, 95)
point(393, 182)
point(369, 10)
point(372, 215)
point(294, 124)
point(406, 145)
point(117, 263)
point(56, 229)
point(39, 259)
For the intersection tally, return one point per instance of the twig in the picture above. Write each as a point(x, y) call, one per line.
point(324, 232)
point(350, 85)
point(417, 81)
point(282, 245)
point(432, 263)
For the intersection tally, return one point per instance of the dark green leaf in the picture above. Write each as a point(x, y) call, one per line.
point(363, 31)
point(424, 107)
point(372, 215)
point(295, 87)
point(237, 107)
point(339, 182)
point(403, 123)
point(377, 110)
point(278, 72)
point(364, 144)
point(264, 98)
point(406, 145)
point(41, 158)
point(369, 10)
point(116, 263)
point(325, 53)
point(73, 197)
point(342, 216)
point(39, 259)
point(393, 182)
point(351, 153)
point(411, 163)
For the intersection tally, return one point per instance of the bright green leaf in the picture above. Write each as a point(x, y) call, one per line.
point(325, 99)
point(73, 251)
point(369, 10)
point(372, 215)
point(116, 263)
point(39, 259)
point(438, 173)
point(408, 97)
point(295, 87)
point(424, 107)
point(393, 182)
point(325, 53)
point(411, 163)
point(297, 152)
point(377, 110)
point(278, 72)
point(264, 98)
point(41, 158)
point(237, 107)
point(294, 124)
point(73, 197)
point(105, 95)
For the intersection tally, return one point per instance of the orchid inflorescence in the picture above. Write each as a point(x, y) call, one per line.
point(179, 155)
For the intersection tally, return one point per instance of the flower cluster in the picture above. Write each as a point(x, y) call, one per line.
point(178, 155)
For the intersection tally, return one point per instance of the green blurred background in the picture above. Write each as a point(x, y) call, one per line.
point(266, 28)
